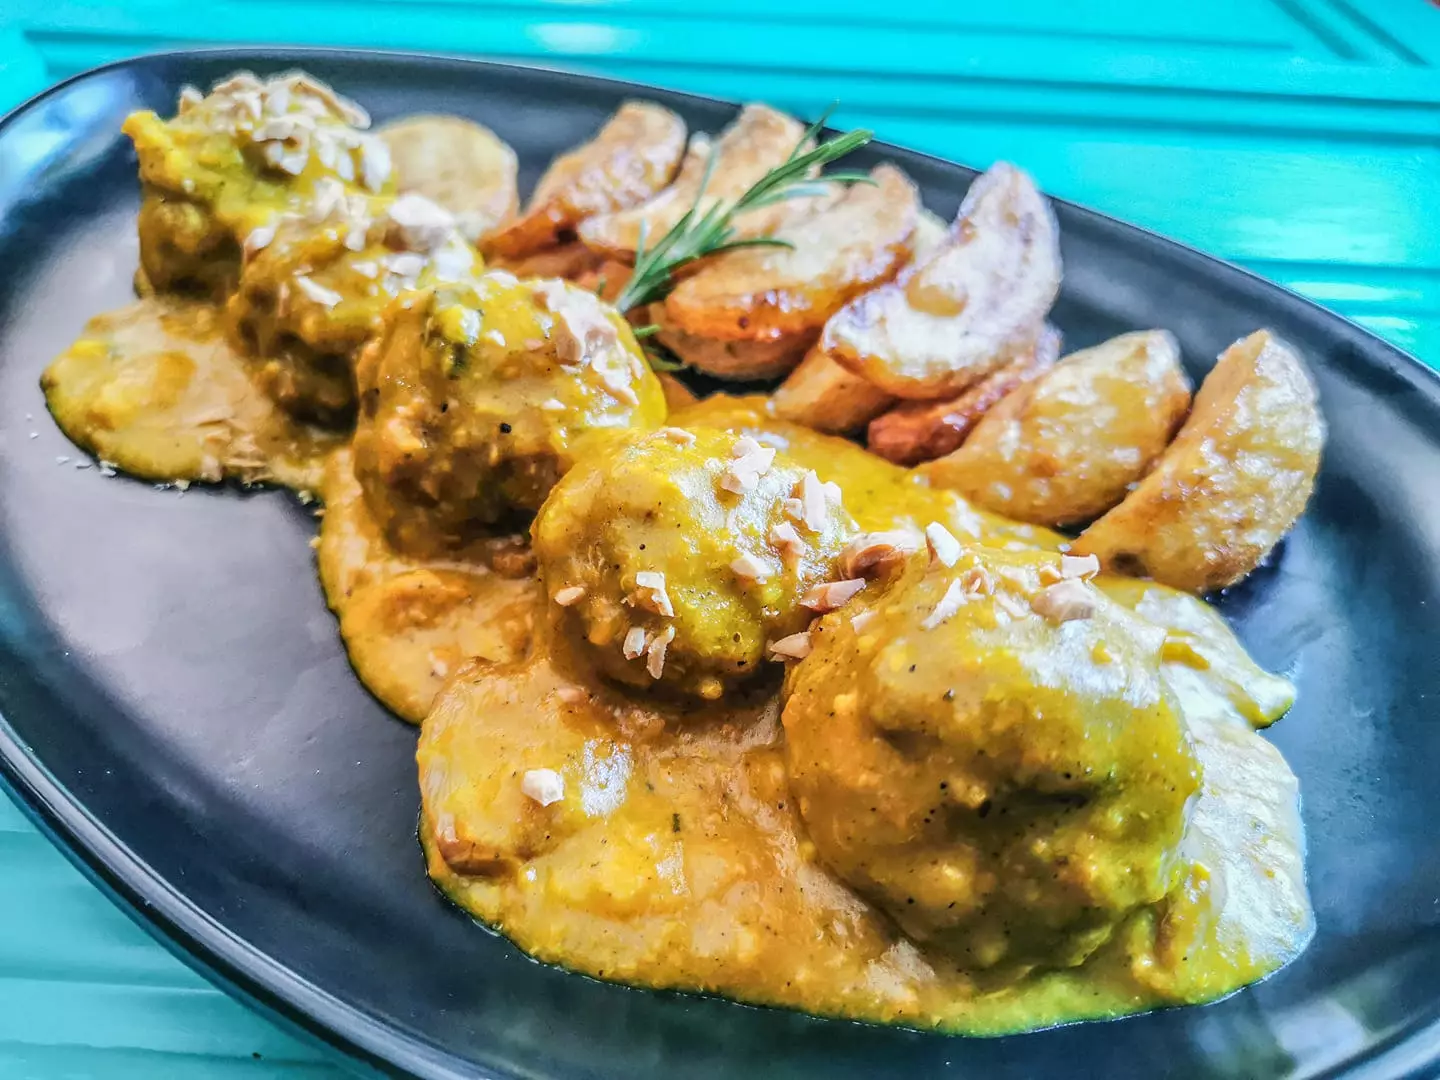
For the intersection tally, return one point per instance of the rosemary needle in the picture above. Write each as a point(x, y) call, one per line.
point(698, 236)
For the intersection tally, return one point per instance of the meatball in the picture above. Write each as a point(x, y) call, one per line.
point(678, 558)
point(476, 398)
point(229, 161)
point(316, 289)
point(987, 750)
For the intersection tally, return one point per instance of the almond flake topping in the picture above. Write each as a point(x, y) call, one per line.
point(418, 223)
point(877, 552)
point(1083, 567)
point(678, 436)
point(405, 264)
point(288, 160)
point(323, 296)
point(977, 581)
point(259, 239)
point(651, 595)
point(571, 594)
point(788, 541)
point(831, 594)
point(634, 643)
point(570, 695)
point(1064, 601)
point(545, 786)
point(655, 654)
point(862, 620)
point(749, 568)
point(794, 647)
point(328, 198)
point(374, 163)
point(812, 502)
point(954, 599)
point(552, 405)
point(944, 548)
point(749, 462)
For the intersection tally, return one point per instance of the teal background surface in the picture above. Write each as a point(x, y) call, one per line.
point(1299, 138)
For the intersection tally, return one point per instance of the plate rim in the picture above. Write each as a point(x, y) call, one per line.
point(260, 980)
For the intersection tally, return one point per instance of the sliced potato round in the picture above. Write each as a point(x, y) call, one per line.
point(461, 165)
point(1232, 483)
point(1068, 446)
point(834, 254)
point(757, 140)
point(827, 397)
point(633, 156)
point(916, 431)
point(953, 319)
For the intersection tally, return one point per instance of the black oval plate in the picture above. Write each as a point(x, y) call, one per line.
point(179, 712)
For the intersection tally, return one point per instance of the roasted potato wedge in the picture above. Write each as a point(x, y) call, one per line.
point(677, 394)
point(573, 262)
point(633, 156)
point(930, 233)
point(827, 397)
point(759, 139)
point(916, 431)
point(606, 279)
point(1231, 484)
point(735, 360)
point(767, 293)
point(953, 319)
point(464, 167)
point(1067, 447)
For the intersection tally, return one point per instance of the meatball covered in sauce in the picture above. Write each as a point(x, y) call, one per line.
point(988, 751)
point(681, 557)
point(315, 290)
point(230, 161)
point(476, 398)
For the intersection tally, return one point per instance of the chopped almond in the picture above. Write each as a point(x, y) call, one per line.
point(794, 647)
point(831, 594)
point(545, 786)
point(1064, 601)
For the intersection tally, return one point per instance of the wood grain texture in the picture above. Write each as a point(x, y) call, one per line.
point(1300, 138)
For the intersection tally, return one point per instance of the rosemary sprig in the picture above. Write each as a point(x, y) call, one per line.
point(698, 236)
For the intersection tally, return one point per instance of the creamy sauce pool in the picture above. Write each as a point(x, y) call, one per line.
point(676, 857)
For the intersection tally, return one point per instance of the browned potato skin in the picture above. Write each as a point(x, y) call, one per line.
point(572, 261)
point(463, 166)
point(952, 319)
point(1067, 446)
point(1234, 481)
point(916, 431)
point(823, 395)
point(758, 140)
point(736, 360)
point(764, 293)
point(632, 157)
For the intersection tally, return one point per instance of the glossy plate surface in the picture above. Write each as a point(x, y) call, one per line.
point(178, 709)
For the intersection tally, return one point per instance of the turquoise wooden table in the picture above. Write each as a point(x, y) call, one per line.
point(1300, 138)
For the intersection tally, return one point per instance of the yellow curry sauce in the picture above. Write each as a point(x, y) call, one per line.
point(982, 794)
point(156, 390)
